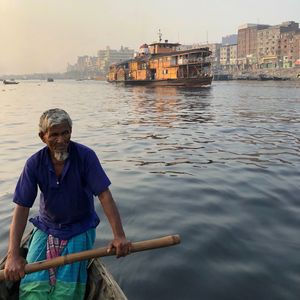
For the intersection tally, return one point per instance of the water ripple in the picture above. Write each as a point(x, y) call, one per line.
point(220, 166)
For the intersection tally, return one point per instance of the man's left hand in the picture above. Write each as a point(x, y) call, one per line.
point(121, 245)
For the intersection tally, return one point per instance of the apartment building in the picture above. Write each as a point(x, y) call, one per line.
point(109, 56)
point(215, 53)
point(275, 45)
point(95, 66)
point(247, 45)
point(230, 39)
point(297, 49)
point(228, 57)
point(288, 54)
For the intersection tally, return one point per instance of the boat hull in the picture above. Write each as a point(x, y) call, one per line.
point(10, 82)
point(186, 82)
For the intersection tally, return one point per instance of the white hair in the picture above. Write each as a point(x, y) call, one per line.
point(54, 116)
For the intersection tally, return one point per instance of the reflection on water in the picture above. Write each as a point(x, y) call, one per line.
point(167, 106)
point(218, 165)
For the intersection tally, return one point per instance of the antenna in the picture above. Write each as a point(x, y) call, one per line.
point(206, 37)
point(159, 35)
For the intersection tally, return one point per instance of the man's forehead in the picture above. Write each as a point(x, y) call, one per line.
point(58, 127)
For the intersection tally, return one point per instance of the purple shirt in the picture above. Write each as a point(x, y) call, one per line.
point(66, 203)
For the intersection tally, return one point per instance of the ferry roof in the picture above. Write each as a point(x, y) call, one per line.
point(165, 43)
point(173, 53)
point(188, 51)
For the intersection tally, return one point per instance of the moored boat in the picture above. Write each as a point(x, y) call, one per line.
point(164, 64)
point(12, 81)
point(100, 286)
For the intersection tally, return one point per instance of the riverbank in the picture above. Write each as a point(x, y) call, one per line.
point(260, 74)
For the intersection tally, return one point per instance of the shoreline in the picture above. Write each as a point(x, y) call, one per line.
point(260, 74)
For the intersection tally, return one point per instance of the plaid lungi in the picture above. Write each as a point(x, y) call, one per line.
point(69, 280)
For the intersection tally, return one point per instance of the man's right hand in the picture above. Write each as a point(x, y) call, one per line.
point(14, 267)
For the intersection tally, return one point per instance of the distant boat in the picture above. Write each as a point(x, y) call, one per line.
point(50, 79)
point(12, 81)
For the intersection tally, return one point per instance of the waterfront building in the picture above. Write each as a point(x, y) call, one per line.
point(228, 57)
point(288, 54)
point(97, 66)
point(230, 39)
point(247, 45)
point(275, 45)
point(109, 56)
point(297, 49)
point(215, 54)
point(82, 63)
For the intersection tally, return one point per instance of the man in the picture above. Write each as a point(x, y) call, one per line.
point(68, 176)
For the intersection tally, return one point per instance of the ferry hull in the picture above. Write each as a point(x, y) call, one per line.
point(185, 82)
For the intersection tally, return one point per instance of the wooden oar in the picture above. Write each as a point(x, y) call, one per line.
point(98, 252)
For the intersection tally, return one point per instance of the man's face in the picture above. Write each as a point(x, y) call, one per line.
point(57, 139)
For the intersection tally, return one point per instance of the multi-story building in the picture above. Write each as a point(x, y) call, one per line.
point(228, 57)
point(82, 63)
point(97, 66)
point(230, 39)
point(109, 56)
point(275, 45)
point(215, 54)
point(247, 45)
point(297, 49)
point(287, 55)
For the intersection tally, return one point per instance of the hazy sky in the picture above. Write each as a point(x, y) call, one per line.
point(45, 35)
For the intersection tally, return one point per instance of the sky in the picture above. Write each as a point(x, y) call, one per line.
point(43, 36)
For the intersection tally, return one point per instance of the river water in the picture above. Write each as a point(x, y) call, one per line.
point(220, 166)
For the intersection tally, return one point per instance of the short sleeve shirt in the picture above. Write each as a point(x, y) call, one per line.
point(66, 205)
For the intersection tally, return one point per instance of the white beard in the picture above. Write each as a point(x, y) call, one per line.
point(61, 156)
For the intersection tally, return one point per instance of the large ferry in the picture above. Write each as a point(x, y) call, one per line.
point(164, 64)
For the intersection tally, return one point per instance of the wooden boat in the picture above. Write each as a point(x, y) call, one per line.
point(101, 284)
point(163, 64)
point(10, 81)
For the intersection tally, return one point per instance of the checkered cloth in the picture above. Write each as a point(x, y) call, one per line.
point(70, 279)
point(55, 247)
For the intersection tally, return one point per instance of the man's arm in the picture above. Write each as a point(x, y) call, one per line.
point(110, 209)
point(14, 266)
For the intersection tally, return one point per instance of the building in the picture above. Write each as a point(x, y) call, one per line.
point(247, 45)
point(288, 52)
point(110, 56)
point(229, 39)
point(275, 45)
point(228, 57)
point(97, 66)
point(297, 49)
point(215, 54)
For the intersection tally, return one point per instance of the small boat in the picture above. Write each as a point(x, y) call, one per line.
point(50, 79)
point(12, 81)
point(100, 286)
point(164, 64)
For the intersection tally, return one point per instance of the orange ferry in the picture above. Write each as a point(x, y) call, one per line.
point(163, 64)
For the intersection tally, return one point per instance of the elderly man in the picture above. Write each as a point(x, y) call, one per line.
point(68, 176)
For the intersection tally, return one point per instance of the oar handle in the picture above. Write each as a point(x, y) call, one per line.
point(161, 242)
